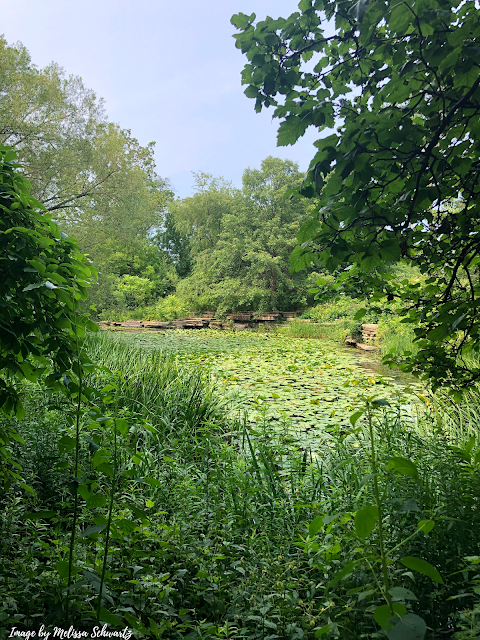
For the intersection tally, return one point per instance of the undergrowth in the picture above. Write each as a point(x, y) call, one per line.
point(222, 531)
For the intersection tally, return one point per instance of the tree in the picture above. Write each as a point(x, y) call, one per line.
point(80, 166)
point(247, 266)
point(200, 217)
point(52, 122)
point(94, 177)
point(399, 176)
point(133, 276)
point(118, 235)
point(44, 278)
point(174, 244)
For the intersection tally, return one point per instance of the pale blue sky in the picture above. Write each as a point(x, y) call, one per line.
point(168, 71)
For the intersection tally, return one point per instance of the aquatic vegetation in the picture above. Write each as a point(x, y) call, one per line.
point(297, 388)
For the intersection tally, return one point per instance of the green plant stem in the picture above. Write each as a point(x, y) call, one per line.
point(379, 508)
point(374, 573)
point(77, 454)
point(110, 507)
point(403, 542)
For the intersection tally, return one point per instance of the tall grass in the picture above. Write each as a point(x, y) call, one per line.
point(395, 336)
point(156, 388)
point(336, 331)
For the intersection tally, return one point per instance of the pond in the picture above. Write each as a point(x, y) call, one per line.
point(294, 386)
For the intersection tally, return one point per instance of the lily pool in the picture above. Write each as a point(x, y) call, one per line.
point(296, 387)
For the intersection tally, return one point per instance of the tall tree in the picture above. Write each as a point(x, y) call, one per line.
point(200, 216)
point(247, 268)
point(94, 177)
point(174, 244)
point(400, 83)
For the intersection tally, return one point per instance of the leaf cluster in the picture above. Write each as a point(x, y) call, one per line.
point(44, 278)
point(399, 176)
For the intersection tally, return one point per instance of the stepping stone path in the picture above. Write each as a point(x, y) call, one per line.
point(369, 336)
point(207, 320)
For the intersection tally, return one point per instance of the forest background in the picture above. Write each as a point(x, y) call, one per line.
point(158, 256)
point(156, 430)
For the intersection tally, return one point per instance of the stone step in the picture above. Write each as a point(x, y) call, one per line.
point(240, 317)
point(366, 347)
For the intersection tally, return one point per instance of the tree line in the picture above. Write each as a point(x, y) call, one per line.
point(223, 248)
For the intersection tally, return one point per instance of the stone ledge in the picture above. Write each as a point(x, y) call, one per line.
point(366, 347)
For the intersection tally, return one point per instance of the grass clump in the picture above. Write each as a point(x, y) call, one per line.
point(336, 331)
point(165, 309)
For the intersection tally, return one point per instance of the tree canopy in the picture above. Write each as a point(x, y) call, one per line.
point(398, 178)
point(92, 176)
point(241, 241)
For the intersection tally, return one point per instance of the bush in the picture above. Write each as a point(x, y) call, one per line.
point(44, 278)
point(165, 309)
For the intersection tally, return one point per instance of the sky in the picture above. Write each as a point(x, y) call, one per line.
point(168, 71)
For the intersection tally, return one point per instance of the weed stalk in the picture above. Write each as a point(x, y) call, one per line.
point(378, 502)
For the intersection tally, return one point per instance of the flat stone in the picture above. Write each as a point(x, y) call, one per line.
point(366, 347)
point(240, 317)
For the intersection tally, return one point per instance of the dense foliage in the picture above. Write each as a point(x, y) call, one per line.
point(221, 531)
point(241, 240)
point(242, 498)
point(399, 177)
point(94, 177)
point(43, 279)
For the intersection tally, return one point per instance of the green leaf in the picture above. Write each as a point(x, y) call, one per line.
point(153, 482)
point(380, 402)
point(360, 313)
point(400, 593)
point(383, 615)
point(97, 528)
point(66, 443)
point(410, 627)
point(422, 566)
point(323, 630)
point(409, 505)
point(20, 411)
point(355, 416)
point(62, 569)
point(106, 468)
point(39, 515)
point(251, 92)
point(96, 501)
point(30, 287)
point(315, 525)
point(365, 520)
point(347, 570)
point(241, 20)
point(368, 263)
point(470, 444)
point(110, 618)
point(403, 466)
point(122, 426)
point(426, 525)
point(83, 491)
point(291, 129)
point(100, 456)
